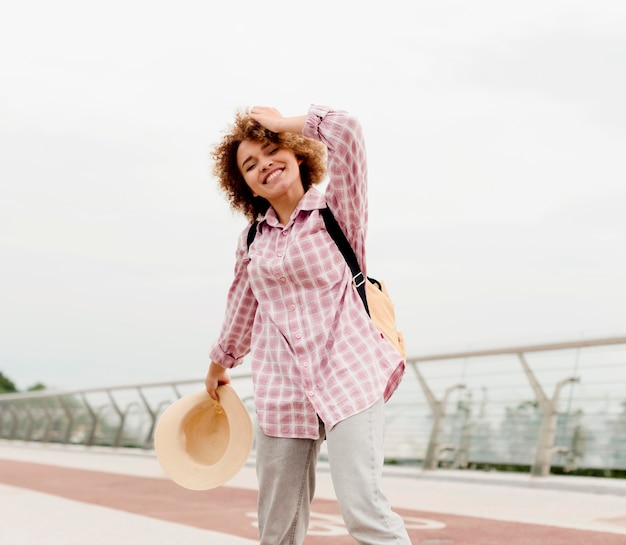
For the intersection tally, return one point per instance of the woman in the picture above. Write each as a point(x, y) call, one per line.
point(321, 369)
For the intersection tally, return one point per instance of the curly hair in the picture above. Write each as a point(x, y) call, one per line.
point(311, 152)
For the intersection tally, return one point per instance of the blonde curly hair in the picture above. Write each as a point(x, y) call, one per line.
point(311, 152)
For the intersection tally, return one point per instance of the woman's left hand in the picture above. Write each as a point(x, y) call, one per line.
point(216, 376)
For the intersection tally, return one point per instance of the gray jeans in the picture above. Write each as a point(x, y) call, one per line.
point(286, 473)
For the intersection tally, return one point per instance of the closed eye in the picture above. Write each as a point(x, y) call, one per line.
point(249, 164)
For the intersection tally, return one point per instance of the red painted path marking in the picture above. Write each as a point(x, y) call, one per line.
point(231, 510)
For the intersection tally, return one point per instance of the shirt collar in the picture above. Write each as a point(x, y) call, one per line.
point(313, 199)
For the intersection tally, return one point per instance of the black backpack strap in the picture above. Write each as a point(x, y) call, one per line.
point(252, 233)
point(337, 234)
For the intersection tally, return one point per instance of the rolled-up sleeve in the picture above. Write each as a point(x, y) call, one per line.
point(346, 193)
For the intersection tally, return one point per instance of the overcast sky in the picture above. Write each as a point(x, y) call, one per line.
point(496, 134)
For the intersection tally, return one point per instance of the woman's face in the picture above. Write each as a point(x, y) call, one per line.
point(270, 171)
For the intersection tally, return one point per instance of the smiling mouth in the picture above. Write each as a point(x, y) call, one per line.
point(272, 175)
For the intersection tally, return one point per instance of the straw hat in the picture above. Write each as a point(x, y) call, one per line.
point(201, 443)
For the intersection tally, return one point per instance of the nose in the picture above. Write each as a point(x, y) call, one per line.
point(267, 165)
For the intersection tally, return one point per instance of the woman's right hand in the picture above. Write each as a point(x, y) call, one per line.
point(216, 376)
point(272, 119)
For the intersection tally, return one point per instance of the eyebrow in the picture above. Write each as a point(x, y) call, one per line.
point(266, 145)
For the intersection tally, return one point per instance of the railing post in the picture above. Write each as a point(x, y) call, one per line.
point(14, 421)
point(152, 414)
point(48, 416)
point(438, 408)
point(70, 419)
point(94, 421)
point(31, 423)
point(122, 417)
point(549, 417)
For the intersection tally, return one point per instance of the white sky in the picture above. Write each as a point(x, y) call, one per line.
point(497, 140)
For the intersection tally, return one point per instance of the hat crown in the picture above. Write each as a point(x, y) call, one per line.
point(205, 433)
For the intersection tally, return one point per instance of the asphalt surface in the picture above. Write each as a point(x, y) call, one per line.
point(73, 495)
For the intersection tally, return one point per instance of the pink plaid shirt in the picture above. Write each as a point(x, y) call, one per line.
point(293, 306)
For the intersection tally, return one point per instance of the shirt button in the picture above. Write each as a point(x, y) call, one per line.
point(298, 336)
point(306, 364)
point(292, 307)
point(279, 254)
point(311, 393)
point(284, 233)
point(282, 280)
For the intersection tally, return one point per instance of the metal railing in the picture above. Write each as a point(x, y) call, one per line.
point(537, 405)
point(116, 416)
point(547, 417)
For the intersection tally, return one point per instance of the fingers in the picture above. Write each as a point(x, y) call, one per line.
point(270, 118)
point(211, 388)
point(215, 377)
point(260, 110)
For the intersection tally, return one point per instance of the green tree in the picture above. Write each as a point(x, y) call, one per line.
point(37, 387)
point(6, 385)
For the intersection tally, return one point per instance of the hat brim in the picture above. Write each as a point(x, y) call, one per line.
point(201, 444)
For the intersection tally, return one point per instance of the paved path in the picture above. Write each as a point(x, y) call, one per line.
point(62, 495)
